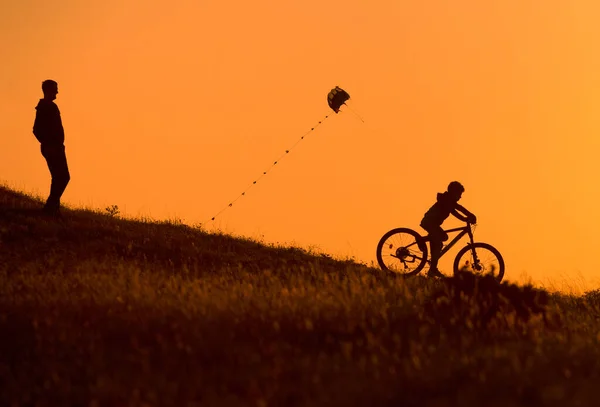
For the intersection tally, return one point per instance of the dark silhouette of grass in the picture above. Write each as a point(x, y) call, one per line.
point(97, 310)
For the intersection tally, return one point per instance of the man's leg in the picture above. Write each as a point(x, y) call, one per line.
point(57, 164)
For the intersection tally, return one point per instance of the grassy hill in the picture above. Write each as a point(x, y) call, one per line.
point(101, 311)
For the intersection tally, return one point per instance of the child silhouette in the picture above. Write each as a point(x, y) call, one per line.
point(446, 204)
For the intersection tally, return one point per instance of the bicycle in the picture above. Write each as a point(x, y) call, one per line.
point(412, 254)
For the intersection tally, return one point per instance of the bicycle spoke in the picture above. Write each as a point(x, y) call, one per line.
point(482, 259)
point(399, 252)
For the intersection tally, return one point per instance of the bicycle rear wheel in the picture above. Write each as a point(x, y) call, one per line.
point(402, 251)
point(480, 258)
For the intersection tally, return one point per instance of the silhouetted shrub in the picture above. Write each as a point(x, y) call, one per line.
point(472, 300)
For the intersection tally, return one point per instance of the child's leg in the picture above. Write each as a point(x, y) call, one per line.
point(436, 245)
point(438, 236)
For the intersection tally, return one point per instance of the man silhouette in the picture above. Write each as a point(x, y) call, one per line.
point(48, 129)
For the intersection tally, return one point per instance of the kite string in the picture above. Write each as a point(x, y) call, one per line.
point(355, 113)
point(269, 169)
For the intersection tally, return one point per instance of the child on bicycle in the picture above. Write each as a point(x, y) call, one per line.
point(447, 203)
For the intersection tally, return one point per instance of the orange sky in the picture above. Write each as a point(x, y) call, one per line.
point(171, 108)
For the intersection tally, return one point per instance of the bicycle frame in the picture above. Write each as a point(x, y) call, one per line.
point(464, 230)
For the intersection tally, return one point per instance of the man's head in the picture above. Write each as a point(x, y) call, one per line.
point(455, 190)
point(50, 89)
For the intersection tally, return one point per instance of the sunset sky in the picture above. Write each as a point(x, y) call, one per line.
point(171, 108)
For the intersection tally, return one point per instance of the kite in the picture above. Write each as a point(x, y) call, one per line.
point(336, 98)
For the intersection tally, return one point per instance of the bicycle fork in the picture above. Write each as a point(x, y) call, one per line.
point(476, 264)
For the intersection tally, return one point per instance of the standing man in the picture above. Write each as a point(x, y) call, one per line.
point(49, 131)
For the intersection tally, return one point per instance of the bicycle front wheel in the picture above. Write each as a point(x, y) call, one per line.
point(480, 258)
point(402, 251)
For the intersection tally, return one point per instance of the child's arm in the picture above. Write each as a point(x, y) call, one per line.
point(458, 215)
point(471, 218)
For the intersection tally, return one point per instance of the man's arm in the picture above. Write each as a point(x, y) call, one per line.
point(47, 126)
point(40, 124)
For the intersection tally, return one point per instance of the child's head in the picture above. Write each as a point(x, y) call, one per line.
point(455, 190)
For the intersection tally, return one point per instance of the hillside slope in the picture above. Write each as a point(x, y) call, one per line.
point(33, 241)
point(96, 310)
